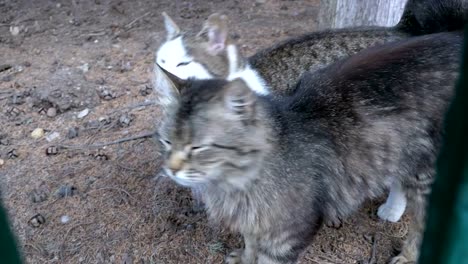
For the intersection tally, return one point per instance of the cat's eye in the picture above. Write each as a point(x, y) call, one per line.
point(183, 63)
point(166, 143)
point(197, 147)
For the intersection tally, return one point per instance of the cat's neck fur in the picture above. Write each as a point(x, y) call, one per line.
point(241, 204)
point(240, 208)
point(239, 67)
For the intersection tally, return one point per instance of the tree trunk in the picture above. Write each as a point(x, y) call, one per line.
point(352, 13)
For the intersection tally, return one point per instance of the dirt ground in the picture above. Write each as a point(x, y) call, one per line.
point(81, 70)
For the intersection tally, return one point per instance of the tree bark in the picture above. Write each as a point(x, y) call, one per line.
point(353, 13)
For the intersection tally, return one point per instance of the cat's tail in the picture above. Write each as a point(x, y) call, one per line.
point(433, 16)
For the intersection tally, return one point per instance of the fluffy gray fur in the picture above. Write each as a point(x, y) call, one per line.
point(282, 64)
point(273, 168)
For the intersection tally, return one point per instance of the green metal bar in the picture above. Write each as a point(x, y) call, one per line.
point(8, 250)
point(446, 235)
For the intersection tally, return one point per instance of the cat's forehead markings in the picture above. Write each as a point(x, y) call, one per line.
point(173, 49)
point(183, 131)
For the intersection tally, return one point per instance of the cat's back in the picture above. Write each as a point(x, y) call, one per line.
point(418, 73)
point(283, 63)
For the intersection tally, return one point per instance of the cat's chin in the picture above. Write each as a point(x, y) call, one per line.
point(186, 183)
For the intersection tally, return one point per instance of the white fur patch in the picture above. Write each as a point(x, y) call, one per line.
point(172, 53)
point(252, 79)
point(392, 210)
point(232, 58)
point(185, 179)
point(250, 76)
point(174, 58)
point(163, 86)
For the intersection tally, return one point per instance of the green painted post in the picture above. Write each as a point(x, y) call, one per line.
point(8, 250)
point(446, 235)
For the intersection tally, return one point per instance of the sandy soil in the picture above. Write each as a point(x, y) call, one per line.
point(75, 204)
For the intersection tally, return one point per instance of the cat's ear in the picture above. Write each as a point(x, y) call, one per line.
point(177, 83)
point(239, 99)
point(172, 29)
point(216, 28)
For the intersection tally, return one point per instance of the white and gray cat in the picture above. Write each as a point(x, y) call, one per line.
point(272, 168)
point(210, 54)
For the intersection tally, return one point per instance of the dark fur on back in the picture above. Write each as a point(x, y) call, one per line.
point(433, 16)
point(283, 64)
point(371, 103)
point(272, 168)
point(360, 76)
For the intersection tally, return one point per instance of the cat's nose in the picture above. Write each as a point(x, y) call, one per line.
point(174, 170)
point(176, 162)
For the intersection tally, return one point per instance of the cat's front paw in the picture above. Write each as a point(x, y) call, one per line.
point(390, 212)
point(234, 257)
point(334, 223)
point(400, 259)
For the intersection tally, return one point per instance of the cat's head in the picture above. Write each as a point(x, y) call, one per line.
point(206, 55)
point(214, 133)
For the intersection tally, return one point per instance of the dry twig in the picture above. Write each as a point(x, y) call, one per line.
point(129, 25)
point(372, 259)
point(100, 145)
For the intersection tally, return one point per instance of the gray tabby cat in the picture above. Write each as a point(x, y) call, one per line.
point(211, 54)
point(272, 168)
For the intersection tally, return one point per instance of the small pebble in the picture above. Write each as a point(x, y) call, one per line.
point(4, 140)
point(101, 81)
point(51, 151)
point(7, 78)
point(12, 154)
point(37, 133)
point(65, 191)
point(146, 90)
point(52, 136)
point(13, 111)
point(14, 31)
point(36, 220)
point(101, 157)
point(51, 112)
point(106, 94)
point(125, 66)
point(93, 124)
point(17, 99)
point(72, 132)
point(125, 120)
point(38, 196)
point(42, 111)
point(84, 67)
point(83, 113)
point(2, 162)
point(64, 219)
point(90, 180)
point(106, 120)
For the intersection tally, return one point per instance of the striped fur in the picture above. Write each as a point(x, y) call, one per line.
point(273, 168)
